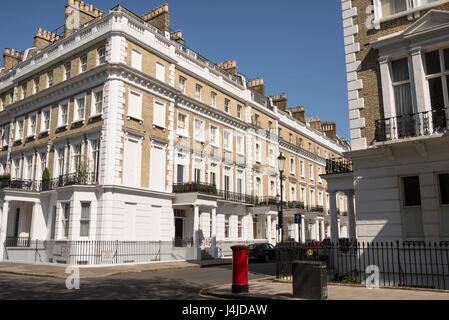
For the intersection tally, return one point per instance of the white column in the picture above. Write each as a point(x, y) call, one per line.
point(269, 228)
point(419, 80)
point(323, 231)
point(3, 227)
point(334, 219)
point(339, 227)
point(296, 232)
point(352, 225)
point(303, 229)
point(196, 232)
point(214, 232)
point(317, 230)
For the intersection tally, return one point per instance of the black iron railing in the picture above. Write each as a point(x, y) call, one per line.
point(396, 264)
point(183, 242)
point(340, 165)
point(18, 242)
point(412, 125)
point(84, 179)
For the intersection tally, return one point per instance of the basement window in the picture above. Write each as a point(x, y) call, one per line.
point(444, 188)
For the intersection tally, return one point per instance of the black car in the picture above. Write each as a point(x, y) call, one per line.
point(262, 252)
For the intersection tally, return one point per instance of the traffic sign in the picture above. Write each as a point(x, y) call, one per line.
point(298, 219)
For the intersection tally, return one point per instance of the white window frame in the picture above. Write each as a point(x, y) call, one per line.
point(42, 130)
point(83, 66)
point(136, 114)
point(76, 116)
point(213, 99)
point(292, 164)
point(136, 59)
point(311, 172)
point(50, 83)
point(36, 85)
point(6, 135)
point(161, 120)
point(199, 94)
point(240, 144)
point(319, 174)
point(258, 155)
point(215, 137)
point(160, 71)
point(18, 136)
point(67, 71)
point(182, 132)
point(28, 174)
point(32, 133)
point(61, 104)
point(198, 136)
point(230, 144)
point(182, 84)
point(93, 102)
point(101, 56)
point(271, 157)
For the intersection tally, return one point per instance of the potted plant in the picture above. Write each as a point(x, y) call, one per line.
point(46, 180)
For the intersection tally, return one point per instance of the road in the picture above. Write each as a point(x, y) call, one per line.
point(172, 285)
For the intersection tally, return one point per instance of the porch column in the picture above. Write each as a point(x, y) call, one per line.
point(296, 225)
point(303, 229)
point(38, 227)
point(196, 232)
point(339, 227)
point(352, 229)
point(3, 227)
point(334, 219)
point(269, 228)
point(214, 233)
point(323, 231)
point(317, 230)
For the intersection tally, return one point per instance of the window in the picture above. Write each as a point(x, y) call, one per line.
point(301, 143)
point(3, 103)
point(312, 198)
point(214, 136)
point(198, 133)
point(97, 102)
point(198, 92)
point(32, 125)
point(271, 158)
point(83, 64)
point(160, 72)
point(227, 217)
point(292, 166)
point(50, 79)
point(85, 219)
point(239, 111)
point(303, 195)
point(95, 155)
point(240, 227)
point(5, 136)
point(258, 152)
point(67, 70)
point(19, 129)
point(42, 164)
point(227, 138)
point(213, 99)
point(24, 91)
point(401, 87)
point(391, 7)
point(443, 180)
point(257, 120)
point(80, 106)
point(272, 189)
point(240, 145)
point(292, 194)
point(135, 105)
point(290, 138)
point(302, 168)
point(77, 158)
point(183, 127)
point(61, 163)
point(311, 172)
point(36, 85)
point(66, 218)
point(16, 171)
point(159, 114)
point(310, 147)
point(320, 199)
point(318, 152)
point(319, 174)
point(45, 120)
point(182, 84)
point(411, 203)
point(101, 55)
point(227, 105)
point(28, 174)
point(63, 114)
point(136, 60)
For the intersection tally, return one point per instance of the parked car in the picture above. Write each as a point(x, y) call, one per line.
point(262, 252)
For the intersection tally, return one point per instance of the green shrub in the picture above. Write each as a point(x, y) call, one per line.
point(46, 175)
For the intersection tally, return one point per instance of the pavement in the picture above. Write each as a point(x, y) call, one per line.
point(271, 289)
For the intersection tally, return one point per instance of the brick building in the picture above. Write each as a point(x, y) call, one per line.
point(114, 130)
point(397, 59)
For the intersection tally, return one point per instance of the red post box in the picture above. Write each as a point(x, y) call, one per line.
point(240, 269)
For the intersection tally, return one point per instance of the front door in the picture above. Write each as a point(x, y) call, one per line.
point(254, 227)
point(179, 231)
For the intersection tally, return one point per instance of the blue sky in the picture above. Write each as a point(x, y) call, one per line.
point(296, 46)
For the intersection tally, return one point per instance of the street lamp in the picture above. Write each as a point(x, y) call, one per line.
point(281, 167)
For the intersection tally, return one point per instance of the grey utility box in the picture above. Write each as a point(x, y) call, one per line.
point(310, 280)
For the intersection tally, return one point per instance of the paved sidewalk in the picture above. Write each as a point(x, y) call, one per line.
point(269, 289)
point(56, 271)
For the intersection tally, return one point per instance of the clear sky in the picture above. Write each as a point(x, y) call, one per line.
point(295, 45)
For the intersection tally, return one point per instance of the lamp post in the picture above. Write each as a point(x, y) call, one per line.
point(281, 166)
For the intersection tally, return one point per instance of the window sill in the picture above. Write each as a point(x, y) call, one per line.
point(77, 122)
point(199, 140)
point(155, 126)
point(228, 150)
point(131, 118)
point(240, 154)
point(44, 132)
point(214, 146)
point(95, 116)
point(182, 135)
point(62, 127)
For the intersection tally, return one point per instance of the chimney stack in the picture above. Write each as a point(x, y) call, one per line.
point(78, 13)
point(257, 85)
point(43, 38)
point(177, 36)
point(299, 113)
point(315, 123)
point(11, 58)
point(330, 129)
point(159, 18)
point(281, 101)
point(230, 66)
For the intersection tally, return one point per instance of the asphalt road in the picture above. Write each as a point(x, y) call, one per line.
point(172, 285)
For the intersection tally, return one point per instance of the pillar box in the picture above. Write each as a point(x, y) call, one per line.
point(240, 269)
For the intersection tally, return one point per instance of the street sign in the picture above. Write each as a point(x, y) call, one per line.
point(278, 227)
point(298, 219)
